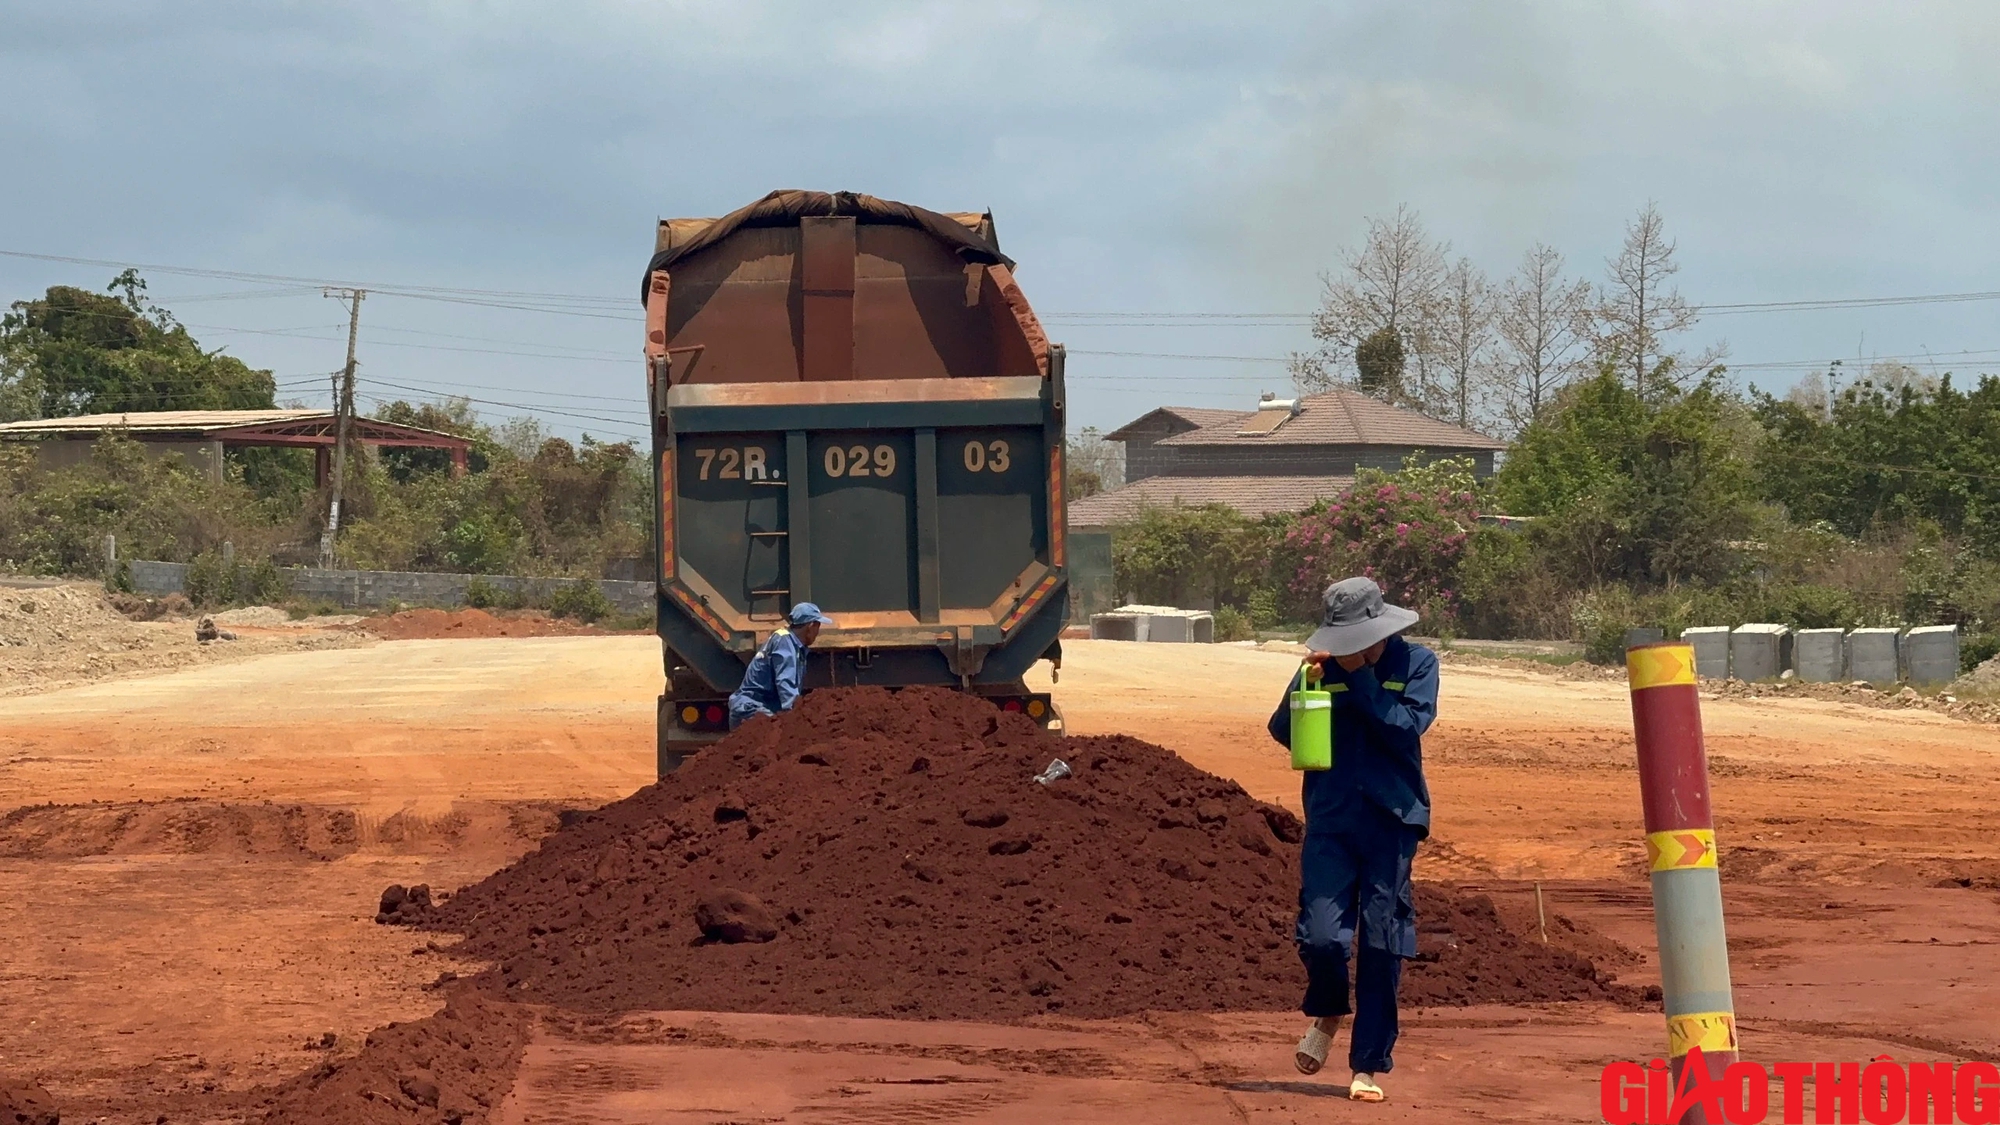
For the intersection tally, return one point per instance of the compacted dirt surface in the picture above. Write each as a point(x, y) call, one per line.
point(56, 635)
point(199, 858)
point(431, 624)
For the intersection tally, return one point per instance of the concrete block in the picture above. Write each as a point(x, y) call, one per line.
point(1644, 635)
point(1759, 652)
point(1820, 655)
point(1711, 650)
point(1930, 654)
point(1119, 626)
point(1872, 655)
point(1181, 626)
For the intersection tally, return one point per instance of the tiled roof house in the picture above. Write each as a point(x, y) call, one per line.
point(1280, 457)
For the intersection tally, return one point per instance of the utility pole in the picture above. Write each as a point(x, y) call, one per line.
point(343, 409)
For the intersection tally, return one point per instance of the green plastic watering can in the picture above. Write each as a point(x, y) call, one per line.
point(1312, 723)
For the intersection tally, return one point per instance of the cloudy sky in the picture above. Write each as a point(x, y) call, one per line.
point(1150, 157)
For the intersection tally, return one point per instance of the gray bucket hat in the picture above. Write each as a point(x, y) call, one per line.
point(1356, 616)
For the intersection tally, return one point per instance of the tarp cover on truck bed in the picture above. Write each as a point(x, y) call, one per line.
point(785, 208)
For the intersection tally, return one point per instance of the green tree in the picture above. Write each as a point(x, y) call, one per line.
point(1378, 364)
point(1091, 464)
point(77, 352)
point(1887, 456)
point(1651, 491)
point(1182, 556)
point(450, 416)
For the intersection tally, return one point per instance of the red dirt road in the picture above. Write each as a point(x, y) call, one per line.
point(163, 952)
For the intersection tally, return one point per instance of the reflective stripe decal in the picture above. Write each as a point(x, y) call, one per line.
point(1311, 704)
point(1394, 685)
point(1660, 666)
point(1680, 848)
point(1711, 1031)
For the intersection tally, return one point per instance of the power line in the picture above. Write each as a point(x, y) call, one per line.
point(380, 400)
point(443, 383)
point(577, 303)
point(511, 405)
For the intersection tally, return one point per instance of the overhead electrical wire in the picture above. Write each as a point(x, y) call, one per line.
point(534, 301)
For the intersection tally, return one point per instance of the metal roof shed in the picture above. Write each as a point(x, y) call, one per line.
point(202, 435)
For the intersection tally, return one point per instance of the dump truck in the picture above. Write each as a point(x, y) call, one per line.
point(854, 405)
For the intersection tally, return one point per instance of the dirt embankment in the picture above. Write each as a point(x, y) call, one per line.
point(449, 1068)
point(435, 624)
point(54, 637)
point(901, 860)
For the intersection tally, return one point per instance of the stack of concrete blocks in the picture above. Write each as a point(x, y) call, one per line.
point(1820, 655)
point(1759, 652)
point(1154, 623)
point(1930, 655)
point(1873, 656)
point(1711, 650)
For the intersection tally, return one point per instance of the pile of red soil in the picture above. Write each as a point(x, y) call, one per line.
point(911, 866)
point(452, 1067)
point(23, 1102)
point(431, 624)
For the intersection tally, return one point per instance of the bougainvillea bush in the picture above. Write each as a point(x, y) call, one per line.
point(1407, 532)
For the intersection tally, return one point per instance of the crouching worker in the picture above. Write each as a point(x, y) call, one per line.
point(1364, 817)
point(772, 682)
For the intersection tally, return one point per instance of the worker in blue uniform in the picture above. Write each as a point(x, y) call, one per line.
point(772, 682)
point(1363, 820)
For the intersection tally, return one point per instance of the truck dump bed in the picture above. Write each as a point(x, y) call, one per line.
point(853, 405)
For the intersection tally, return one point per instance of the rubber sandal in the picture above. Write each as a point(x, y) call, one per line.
point(1312, 1050)
point(1364, 1089)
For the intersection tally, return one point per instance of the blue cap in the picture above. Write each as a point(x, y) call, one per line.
point(806, 613)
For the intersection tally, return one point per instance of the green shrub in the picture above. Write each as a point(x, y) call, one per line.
point(1232, 624)
point(1508, 591)
point(207, 583)
point(1407, 531)
point(1601, 619)
point(1976, 649)
point(1262, 606)
point(1809, 606)
point(582, 601)
point(213, 582)
point(482, 594)
point(262, 583)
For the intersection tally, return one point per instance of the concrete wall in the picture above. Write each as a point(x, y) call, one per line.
point(63, 453)
point(367, 589)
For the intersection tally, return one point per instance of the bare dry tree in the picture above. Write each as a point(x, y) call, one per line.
point(1458, 379)
point(1544, 324)
point(1392, 281)
point(1638, 309)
